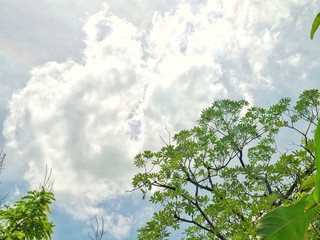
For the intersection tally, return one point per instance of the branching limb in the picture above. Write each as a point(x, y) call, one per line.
point(98, 230)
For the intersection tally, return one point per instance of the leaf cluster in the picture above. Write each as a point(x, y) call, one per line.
point(27, 218)
point(221, 176)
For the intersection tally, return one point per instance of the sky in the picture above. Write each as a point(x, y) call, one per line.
point(86, 85)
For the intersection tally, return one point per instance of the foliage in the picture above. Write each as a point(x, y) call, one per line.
point(289, 222)
point(27, 218)
point(294, 220)
point(315, 25)
point(220, 177)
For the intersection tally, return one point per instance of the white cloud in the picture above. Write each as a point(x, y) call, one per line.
point(201, 52)
point(79, 118)
point(119, 226)
point(87, 119)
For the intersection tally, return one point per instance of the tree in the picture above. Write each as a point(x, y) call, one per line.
point(293, 221)
point(27, 218)
point(239, 162)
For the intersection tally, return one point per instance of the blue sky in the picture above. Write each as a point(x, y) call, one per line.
point(86, 85)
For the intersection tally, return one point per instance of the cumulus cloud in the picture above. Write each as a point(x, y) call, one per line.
point(213, 49)
point(87, 119)
point(79, 118)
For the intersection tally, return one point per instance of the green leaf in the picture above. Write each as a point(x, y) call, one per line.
point(27, 218)
point(315, 25)
point(289, 222)
point(308, 183)
point(316, 193)
point(310, 202)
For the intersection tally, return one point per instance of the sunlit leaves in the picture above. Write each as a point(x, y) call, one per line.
point(316, 192)
point(221, 176)
point(308, 105)
point(308, 183)
point(27, 218)
point(315, 25)
point(290, 222)
point(156, 229)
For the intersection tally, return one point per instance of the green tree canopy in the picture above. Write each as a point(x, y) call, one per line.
point(220, 177)
point(27, 218)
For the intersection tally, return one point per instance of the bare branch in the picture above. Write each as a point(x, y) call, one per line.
point(2, 157)
point(169, 138)
point(98, 230)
